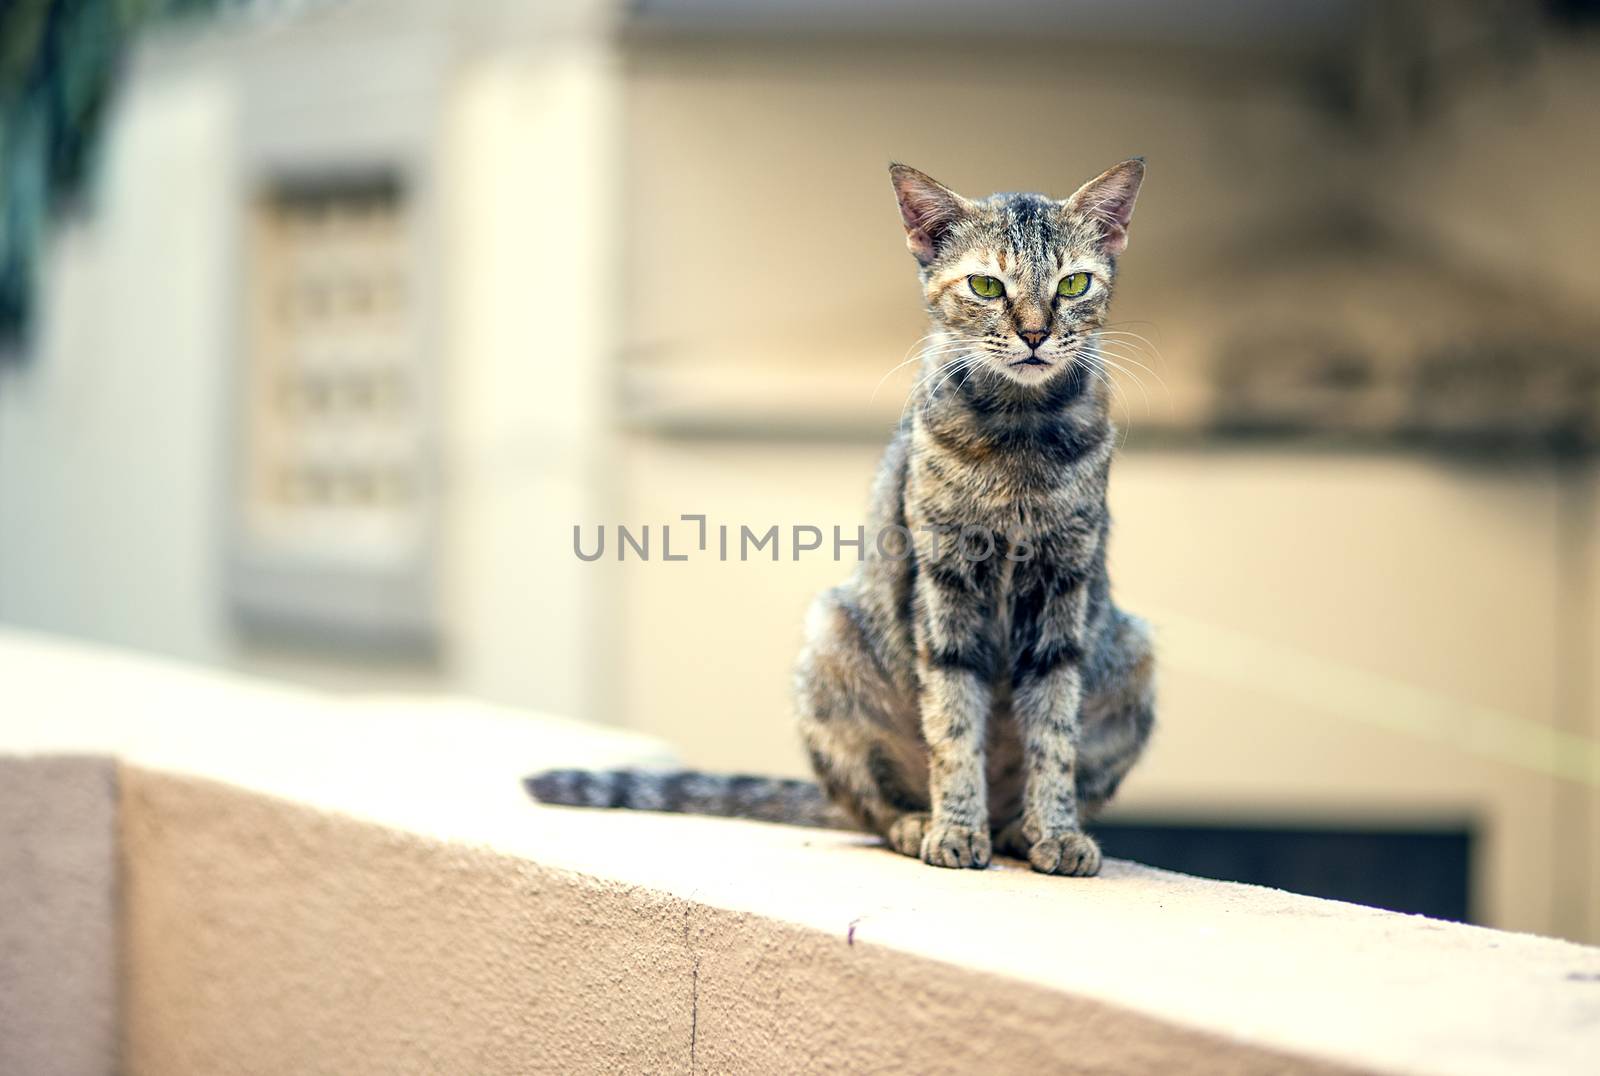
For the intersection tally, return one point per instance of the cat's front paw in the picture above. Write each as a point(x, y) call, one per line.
point(944, 845)
point(1071, 853)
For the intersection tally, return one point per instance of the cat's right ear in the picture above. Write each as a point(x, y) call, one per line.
point(1108, 199)
point(928, 208)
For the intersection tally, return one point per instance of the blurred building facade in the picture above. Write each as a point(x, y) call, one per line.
point(378, 302)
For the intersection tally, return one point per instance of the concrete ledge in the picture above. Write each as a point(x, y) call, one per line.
point(368, 950)
point(58, 914)
point(348, 887)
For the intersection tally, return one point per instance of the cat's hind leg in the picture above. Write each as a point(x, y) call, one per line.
point(858, 725)
point(1118, 713)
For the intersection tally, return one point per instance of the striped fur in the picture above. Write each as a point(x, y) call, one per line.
point(764, 799)
point(955, 704)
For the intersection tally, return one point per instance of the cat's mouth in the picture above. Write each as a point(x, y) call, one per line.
point(1031, 360)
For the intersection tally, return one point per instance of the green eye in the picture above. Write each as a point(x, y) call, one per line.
point(986, 286)
point(1073, 285)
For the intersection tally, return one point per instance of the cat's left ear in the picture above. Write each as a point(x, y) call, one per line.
point(1108, 199)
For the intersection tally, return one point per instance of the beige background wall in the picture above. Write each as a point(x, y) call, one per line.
point(763, 232)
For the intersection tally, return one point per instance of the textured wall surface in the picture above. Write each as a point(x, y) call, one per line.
point(58, 947)
point(264, 937)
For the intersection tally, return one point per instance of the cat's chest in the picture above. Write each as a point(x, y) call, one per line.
point(1012, 511)
point(1014, 485)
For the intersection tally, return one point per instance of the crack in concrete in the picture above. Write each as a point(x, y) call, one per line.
point(694, 990)
point(694, 1014)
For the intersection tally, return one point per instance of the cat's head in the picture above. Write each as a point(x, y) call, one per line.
point(1020, 280)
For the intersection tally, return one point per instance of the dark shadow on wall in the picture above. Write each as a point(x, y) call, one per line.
point(1424, 872)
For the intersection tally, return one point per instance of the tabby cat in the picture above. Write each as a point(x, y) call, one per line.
point(960, 697)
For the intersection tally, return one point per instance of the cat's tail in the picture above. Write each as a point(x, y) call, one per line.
point(764, 799)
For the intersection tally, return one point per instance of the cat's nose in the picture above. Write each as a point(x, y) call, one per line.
point(1034, 337)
